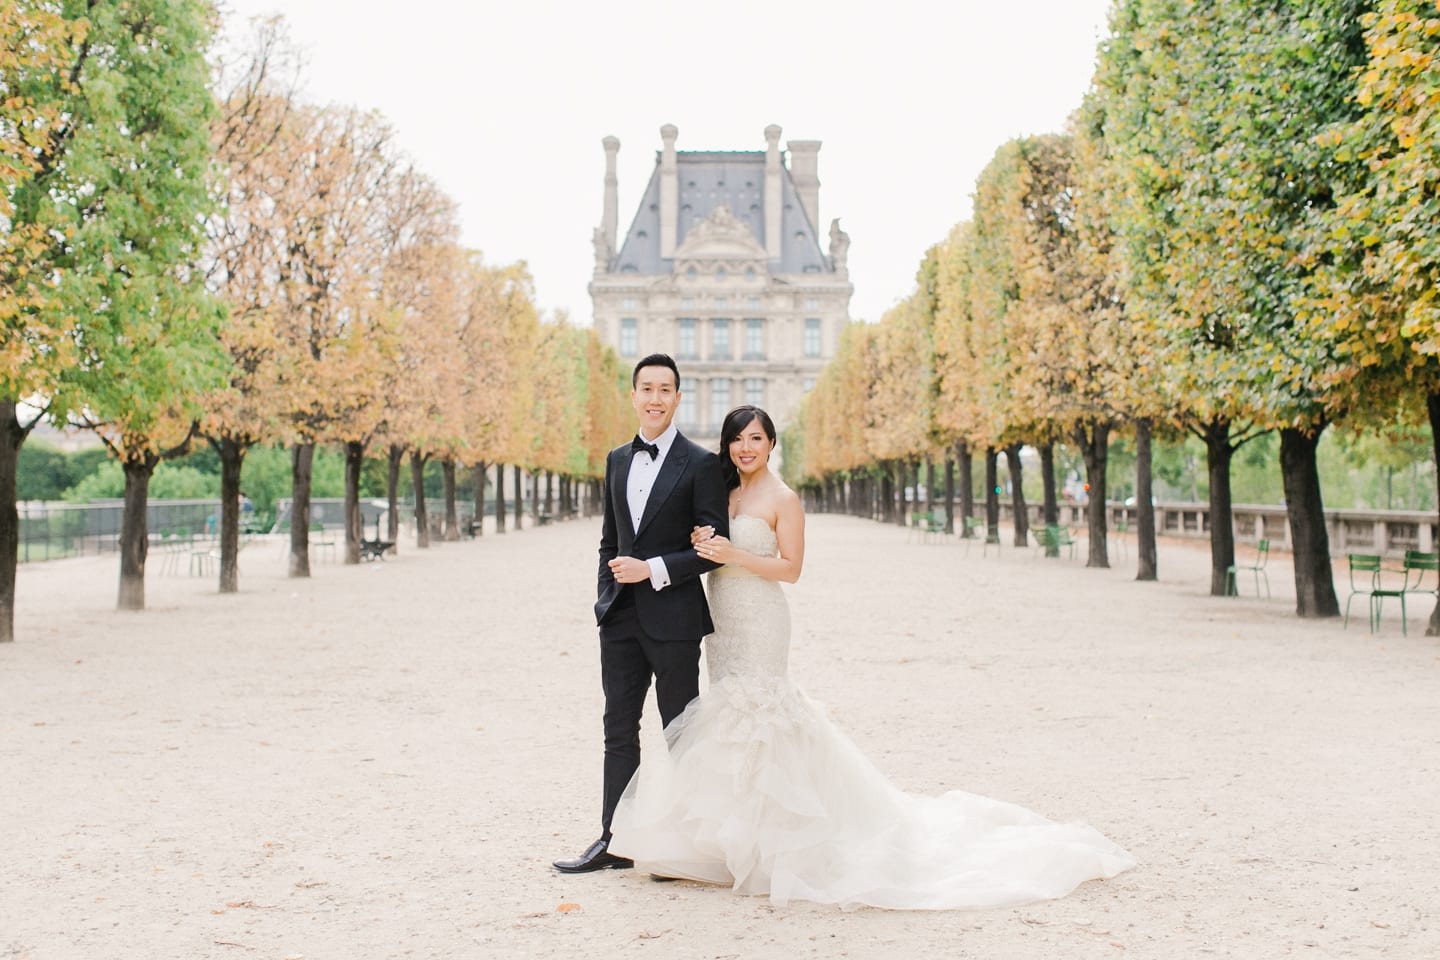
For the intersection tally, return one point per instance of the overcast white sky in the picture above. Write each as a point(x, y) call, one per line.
point(505, 104)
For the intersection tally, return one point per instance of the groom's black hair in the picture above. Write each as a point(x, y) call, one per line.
point(655, 360)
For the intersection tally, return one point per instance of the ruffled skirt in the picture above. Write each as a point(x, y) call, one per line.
point(762, 792)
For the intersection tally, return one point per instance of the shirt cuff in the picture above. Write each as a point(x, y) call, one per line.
point(659, 575)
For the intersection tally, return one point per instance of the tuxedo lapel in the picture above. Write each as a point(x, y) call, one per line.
point(670, 472)
point(619, 496)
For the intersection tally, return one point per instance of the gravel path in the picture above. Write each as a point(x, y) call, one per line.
point(381, 761)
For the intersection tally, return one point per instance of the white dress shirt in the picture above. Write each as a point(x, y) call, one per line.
point(644, 470)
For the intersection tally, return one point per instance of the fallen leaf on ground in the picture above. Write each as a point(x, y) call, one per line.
point(568, 907)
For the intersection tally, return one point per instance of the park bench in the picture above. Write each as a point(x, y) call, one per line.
point(375, 549)
point(1262, 555)
point(1367, 565)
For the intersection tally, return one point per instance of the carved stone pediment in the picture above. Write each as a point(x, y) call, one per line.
point(720, 236)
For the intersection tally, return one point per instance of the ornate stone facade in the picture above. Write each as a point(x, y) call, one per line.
point(722, 269)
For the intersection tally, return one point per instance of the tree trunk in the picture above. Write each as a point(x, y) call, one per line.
point(930, 485)
point(1047, 478)
point(354, 527)
point(897, 492)
point(1222, 524)
point(1309, 540)
point(949, 492)
point(887, 496)
point(550, 492)
point(134, 532)
point(422, 519)
point(1144, 505)
point(519, 484)
point(499, 498)
point(1094, 440)
point(1017, 495)
point(232, 461)
point(392, 496)
point(1432, 406)
point(966, 462)
point(480, 479)
point(12, 438)
point(903, 473)
point(302, 462)
point(535, 497)
point(992, 495)
point(452, 516)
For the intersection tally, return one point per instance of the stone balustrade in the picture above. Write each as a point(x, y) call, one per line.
point(1386, 532)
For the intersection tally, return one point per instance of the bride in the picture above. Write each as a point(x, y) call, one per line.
point(761, 791)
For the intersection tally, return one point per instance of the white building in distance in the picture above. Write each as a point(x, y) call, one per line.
point(722, 268)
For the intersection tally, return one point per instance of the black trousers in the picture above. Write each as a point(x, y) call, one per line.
point(628, 659)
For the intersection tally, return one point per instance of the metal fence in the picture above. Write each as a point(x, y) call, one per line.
point(51, 531)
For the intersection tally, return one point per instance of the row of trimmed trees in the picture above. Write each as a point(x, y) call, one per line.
point(1239, 233)
point(191, 253)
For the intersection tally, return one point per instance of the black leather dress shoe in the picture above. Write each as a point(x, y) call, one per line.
point(596, 857)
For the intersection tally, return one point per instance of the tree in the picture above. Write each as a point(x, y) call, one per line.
point(1375, 287)
point(256, 103)
point(333, 331)
point(105, 186)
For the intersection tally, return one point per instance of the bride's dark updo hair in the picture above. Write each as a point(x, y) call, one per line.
point(734, 424)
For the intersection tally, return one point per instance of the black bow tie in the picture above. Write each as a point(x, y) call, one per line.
point(651, 448)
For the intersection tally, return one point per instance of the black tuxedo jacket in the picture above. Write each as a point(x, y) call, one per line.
point(689, 491)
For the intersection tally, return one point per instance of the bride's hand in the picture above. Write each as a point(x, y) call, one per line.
point(700, 534)
point(718, 549)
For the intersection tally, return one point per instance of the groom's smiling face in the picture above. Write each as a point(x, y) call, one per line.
point(656, 397)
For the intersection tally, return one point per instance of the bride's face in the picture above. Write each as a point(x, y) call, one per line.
point(751, 449)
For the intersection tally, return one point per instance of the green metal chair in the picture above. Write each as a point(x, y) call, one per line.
point(978, 530)
point(1417, 564)
point(1122, 527)
point(1262, 556)
point(1050, 538)
point(1368, 566)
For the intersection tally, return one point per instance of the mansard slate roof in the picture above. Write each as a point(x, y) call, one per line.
point(708, 179)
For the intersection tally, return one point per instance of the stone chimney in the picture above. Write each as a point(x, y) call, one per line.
point(803, 163)
point(669, 191)
point(773, 196)
point(609, 221)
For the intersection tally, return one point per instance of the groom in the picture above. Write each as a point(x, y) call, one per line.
point(651, 608)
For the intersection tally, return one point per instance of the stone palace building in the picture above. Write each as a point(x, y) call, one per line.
point(723, 269)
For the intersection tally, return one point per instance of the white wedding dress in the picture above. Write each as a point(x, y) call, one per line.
point(762, 792)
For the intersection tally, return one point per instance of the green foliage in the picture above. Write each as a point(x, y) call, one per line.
point(45, 473)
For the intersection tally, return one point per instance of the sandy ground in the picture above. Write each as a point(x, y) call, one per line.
point(382, 761)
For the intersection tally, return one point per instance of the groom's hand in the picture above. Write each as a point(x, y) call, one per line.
point(629, 570)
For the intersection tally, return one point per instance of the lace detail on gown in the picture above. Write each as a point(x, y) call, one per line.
point(761, 791)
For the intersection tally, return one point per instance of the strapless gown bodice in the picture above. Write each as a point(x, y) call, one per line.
point(761, 791)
